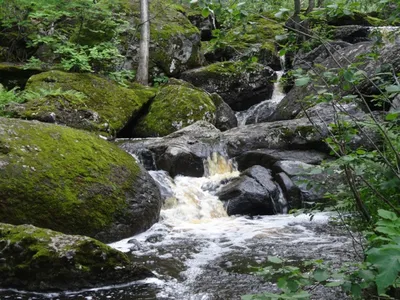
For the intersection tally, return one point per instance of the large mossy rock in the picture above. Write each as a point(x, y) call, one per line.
point(174, 41)
point(177, 105)
point(33, 258)
point(82, 101)
point(72, 181)
point(240, 85)
point(253, 38)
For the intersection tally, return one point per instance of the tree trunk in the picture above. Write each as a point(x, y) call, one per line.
point(297, 7)
point(320, 3)
point(142, 75)
point(311, 6)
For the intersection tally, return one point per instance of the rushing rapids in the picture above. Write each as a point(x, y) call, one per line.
point(197, 252)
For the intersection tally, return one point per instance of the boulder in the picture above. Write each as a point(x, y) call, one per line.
point(291, 105)
point(37, 259)
point(204, 25)
point(355, 18)
point(295, 134)
point(257, 113)
point(72, 181)
point(291, 191)
point(307, 185)
point(241, 85)
point(225, 117)
point(253, 193)
point(318, 55)
point(82, 101)
point(181, 152)
point(255, 37)
point(175, 106)
point(352, 33)
point(268, 157)
point(174, 41)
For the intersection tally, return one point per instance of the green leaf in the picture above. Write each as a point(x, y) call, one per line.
point(205, 12)
point(348, 75)
point(334, 283)
point(387, 260)
point(391, 116)
point(388, 215)
point(275, 260)
point(302, 81)
point(356, 290)
point(393, 88)
point(320, 275)
point(293, 285)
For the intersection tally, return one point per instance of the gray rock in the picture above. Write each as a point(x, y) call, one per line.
point(225, 116)
point(291, 192)
point(181, 152)
point(240, 85)
point(291, 105)
point(352, 33)
point(253, 193)
point(268, 157)
point(316, 56)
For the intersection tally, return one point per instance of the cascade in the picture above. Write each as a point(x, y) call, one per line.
point(266, 105)
point(197, 252)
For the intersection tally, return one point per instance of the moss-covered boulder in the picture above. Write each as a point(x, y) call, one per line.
point(177, 105)
point(82, 101)
point(240, 84)
point(174, 41)
point(355, 18)
point(72, 181)
point(33, 258)
point(254, 38)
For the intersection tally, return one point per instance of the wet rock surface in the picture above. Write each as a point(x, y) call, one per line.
point(253, 193)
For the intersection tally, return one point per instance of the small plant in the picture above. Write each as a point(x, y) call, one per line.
point(123, 77)
point(8, 97)
point(159, 80)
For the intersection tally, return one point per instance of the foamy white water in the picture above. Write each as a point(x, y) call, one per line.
point(197, 252)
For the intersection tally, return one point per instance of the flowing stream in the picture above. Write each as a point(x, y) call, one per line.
point(264, 108)
point(197, 252)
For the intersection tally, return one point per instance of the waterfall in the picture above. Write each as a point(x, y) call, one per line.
point(266, 105)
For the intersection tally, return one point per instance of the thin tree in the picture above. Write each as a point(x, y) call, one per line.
point(142, 75)
point(311, 6)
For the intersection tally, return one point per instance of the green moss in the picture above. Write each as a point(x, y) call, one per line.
point(376, 21)
point(36, 258)
point(105, 107)
point(61, 178)
point(231, 68)
point(169, 32)
point(257, 31)
point(175, 107)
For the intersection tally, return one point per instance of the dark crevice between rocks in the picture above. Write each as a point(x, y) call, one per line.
point(128, 131)
point(12, 76)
